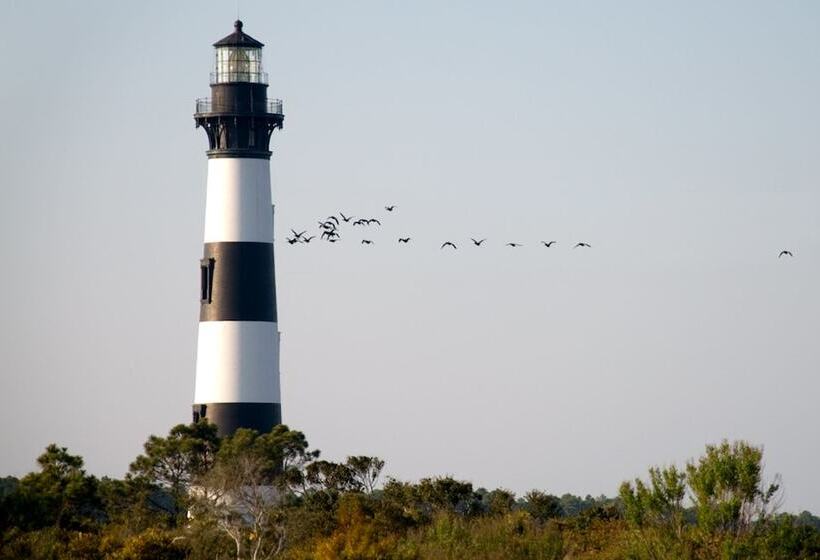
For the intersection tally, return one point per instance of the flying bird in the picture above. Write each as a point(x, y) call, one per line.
point(371, 220)
point(582, 244)
point(404, 240)
point(550, 244)
point(345, 218)
point(298, 235)
point(307, 239)
point(477, 242)
point(390, 208)
point(514, 245)
point(334, 218)
point(330, 234)
point(291, 241)
point(327, 225)
point(360, 222)
point(366, 242)
point(448, 244)
point(785, 252)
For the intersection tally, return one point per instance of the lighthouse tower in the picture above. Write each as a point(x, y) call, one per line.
point(237, 365)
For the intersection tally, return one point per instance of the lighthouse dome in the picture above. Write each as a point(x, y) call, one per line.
point(238, 59)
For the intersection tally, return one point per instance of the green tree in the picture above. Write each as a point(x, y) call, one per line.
point(365, 471)
point(60, 494)
point(332, 477)
point(788, 539)
point(173, 463)
point(572, 505)
point(499, 502)
point(658, 503)
point(447, 494)
point(8, 491)
point(542, 506)
point(727, 488)
point(244, 493)
point(400, 506)
point(806, 518)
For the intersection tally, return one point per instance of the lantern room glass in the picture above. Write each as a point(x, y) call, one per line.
point(239, 64)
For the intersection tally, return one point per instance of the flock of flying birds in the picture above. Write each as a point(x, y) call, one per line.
point(329, 231)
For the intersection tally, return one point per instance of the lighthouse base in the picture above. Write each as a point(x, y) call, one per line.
point(228, 417)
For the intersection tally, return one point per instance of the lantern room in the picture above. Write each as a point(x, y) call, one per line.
point(238, 59)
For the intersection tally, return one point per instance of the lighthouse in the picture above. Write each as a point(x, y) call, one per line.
point(237, 363)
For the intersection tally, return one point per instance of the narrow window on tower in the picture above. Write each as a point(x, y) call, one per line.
point(206, 271)
point(251, 137)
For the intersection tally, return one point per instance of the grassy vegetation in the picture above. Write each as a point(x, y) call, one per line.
point(192, 495)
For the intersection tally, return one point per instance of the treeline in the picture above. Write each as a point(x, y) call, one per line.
point(193, 495)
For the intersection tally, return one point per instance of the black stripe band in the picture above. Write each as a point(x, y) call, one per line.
point(228, 417)
point(238, 282)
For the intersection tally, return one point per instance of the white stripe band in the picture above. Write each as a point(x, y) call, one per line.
point(237, 361)
point(238, 206)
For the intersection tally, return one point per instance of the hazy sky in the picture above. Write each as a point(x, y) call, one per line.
point(680, 139)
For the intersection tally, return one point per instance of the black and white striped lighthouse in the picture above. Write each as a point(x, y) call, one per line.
point(237, 365)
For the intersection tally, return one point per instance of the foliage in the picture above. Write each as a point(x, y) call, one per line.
point(733, 509)
point(575, 505)
point(807, 519)
point(499, 502)
point(542, 506)
point(59, 495)
point(170, 465)
point(365, 471)
point(357, 536)
point(192, 495)
point(242, 492)
point(659, 503)
point(727, 488)
point(510, 535)
point(152, 544)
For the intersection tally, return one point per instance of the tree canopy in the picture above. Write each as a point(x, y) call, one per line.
point(192, 495)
